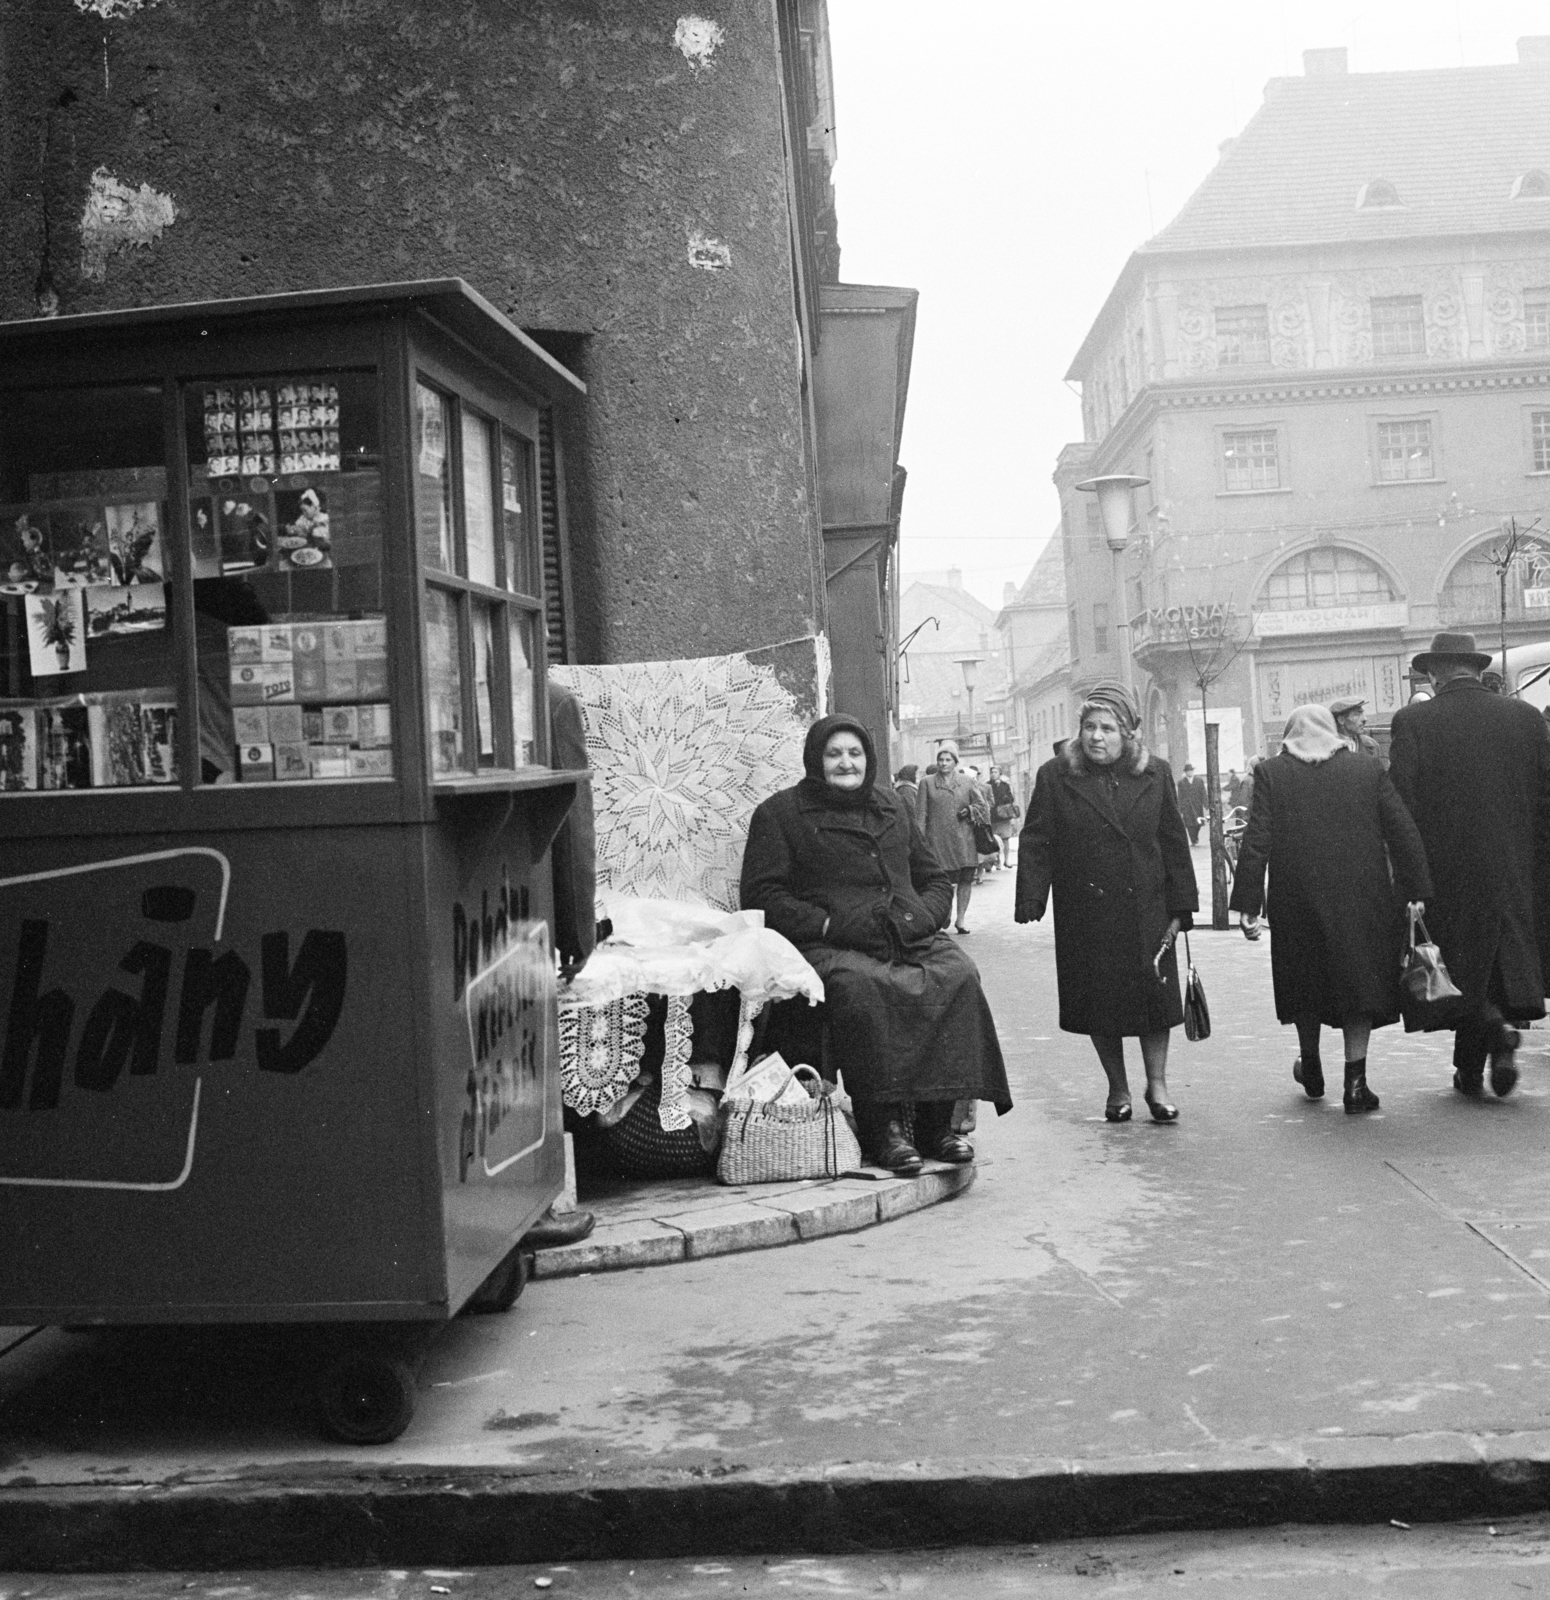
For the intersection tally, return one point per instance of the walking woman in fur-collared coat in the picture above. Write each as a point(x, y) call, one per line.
point(1103, 831)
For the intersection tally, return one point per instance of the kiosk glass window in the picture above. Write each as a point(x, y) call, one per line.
point(88, 647)
point(480, 609)
point(285, 542)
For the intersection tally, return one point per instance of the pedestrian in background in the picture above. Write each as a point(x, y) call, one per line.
point(1192, 802)
point(1327, 823)
point(905, 785)
point(1104, 835)
point(944, 808)
point(838, 867)
point(1351, 721)
point(1004, 812)
point(1473, 769)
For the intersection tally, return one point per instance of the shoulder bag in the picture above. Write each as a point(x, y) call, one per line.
point(1197, 1014)
point(1428, 997)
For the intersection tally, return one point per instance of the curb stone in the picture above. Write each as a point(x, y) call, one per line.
point(750, 1222)
point(338, 1515)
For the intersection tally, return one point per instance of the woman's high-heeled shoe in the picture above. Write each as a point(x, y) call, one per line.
point(1161, 1110)
point(1119, 1113)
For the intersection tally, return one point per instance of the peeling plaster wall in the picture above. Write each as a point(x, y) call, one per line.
point(573, 161)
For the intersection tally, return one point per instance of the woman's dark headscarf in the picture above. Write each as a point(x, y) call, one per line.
point(815, 785)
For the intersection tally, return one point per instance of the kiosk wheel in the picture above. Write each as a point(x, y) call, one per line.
point(501, 1290)
point(366, 1397)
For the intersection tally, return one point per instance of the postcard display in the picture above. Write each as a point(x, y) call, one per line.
point(269, 508)
point(275, 917)
point(81, 569)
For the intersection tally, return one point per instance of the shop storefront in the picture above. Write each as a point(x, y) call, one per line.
point(281, 1043)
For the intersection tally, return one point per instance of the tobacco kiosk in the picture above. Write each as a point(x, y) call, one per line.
point(274, 909)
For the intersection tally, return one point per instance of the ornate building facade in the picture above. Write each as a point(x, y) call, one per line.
point(1334, 367)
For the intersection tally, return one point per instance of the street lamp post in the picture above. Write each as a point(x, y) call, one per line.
point(1114, 492)
point(969, 667)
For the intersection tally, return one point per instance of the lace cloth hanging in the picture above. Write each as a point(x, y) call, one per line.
point(681, 753)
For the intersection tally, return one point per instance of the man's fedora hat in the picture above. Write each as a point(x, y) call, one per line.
point(1450, 647)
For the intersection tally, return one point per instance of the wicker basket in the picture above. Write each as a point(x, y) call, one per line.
point(766, 1143)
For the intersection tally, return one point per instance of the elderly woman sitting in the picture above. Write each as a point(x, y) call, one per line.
point(839, 866)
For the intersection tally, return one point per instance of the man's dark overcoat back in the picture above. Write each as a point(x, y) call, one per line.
point(1473, 769)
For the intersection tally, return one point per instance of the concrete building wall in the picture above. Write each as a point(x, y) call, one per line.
point(593, 167)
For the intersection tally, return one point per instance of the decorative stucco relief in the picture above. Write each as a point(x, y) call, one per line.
point(1286, 315)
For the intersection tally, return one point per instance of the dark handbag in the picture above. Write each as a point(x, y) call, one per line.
point(1007, 812)
point(985, 840)
point(1428, 997)
point(1197, 1014)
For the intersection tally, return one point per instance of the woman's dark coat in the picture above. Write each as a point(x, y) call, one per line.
point(907, 1019)
point(1473, 769)
point(1327, 831)
point(949, 837)
point(1111, 845)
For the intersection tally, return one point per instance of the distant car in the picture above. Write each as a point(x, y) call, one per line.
point(1528, 674)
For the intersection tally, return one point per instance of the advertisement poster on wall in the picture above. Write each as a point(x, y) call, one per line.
point(1229, 740)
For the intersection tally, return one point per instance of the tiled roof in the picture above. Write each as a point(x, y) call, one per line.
point(1054, 657)
point(945, 594)
point(1451, 141)
point(1045, 585)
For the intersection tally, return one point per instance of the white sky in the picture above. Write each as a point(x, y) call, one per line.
point(1004, 157)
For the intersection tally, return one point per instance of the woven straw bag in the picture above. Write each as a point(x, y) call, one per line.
point(765, 1143)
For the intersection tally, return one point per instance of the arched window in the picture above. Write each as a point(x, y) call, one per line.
point(1471, 593)
point(1319, 579)
point(1532, 185)
point(1375, 193)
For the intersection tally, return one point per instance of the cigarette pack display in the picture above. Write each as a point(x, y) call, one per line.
point(247, 685)
point(64, 746)
point(250, 724)
point(307, 662)
point(341, 725)
point(371, 676)
point(286, 725)
point(256, 763)
point(371, 763)
point(244, 646)
point(277, 637)
point(18, 747)
point(330, 760)
point(340, 681)
point(339, 641)
point(292, 763)
point(376, 726)
point(279, 681)
point(312, 726)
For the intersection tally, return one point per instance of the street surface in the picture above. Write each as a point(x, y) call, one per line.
point(1268, 1278)
point(1502, 1561)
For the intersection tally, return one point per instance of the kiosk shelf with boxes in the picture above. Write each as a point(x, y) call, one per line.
point(274, 915)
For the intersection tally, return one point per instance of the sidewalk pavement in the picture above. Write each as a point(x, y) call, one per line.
point(1266, 1312)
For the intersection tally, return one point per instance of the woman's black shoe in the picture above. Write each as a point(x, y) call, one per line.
point(1504, 1070)
point(1311, 1078)
point(1119, 1113)
point(934, 1136)
point(883, 1139)
point(1161, 1110)
point(1358, 1097)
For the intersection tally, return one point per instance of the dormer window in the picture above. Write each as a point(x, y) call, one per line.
point(1376, 194)
point(1532, 185)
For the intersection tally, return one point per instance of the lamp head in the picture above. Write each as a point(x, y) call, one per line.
point(1114, 491)
point(969, 666)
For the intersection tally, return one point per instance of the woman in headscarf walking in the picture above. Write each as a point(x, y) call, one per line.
point(1103, 831)
point(839, 867)
point(944, 808)
point(1328, 823)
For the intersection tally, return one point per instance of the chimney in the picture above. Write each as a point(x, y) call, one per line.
point(1008, 594)
point(1324, 63)
point(1534, 50)
point(955, 577)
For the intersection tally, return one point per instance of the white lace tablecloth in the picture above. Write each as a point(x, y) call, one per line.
point(672, 948)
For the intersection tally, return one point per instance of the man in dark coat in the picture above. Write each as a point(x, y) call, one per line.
point(1192, 802)
point(1473, 768)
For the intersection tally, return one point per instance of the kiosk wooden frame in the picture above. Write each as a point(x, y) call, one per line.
point(284, 1051)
